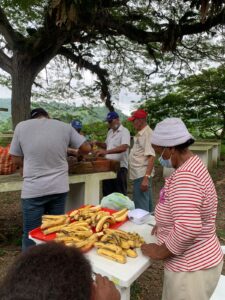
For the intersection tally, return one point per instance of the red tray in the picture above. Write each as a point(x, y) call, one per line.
point(38, 234)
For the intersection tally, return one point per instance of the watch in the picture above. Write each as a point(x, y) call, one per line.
point(147, 176)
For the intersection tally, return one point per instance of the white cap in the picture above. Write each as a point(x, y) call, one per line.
point(170, 132)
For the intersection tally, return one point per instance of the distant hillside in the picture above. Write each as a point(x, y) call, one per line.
point(67, 112)
point(64, 112)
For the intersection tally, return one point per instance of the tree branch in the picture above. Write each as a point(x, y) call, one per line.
point(5, 62)
point(94, 68)
point(108, 24)
point(11, 36)
point(211, 22)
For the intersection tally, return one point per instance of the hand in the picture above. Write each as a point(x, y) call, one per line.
point(157, 252)
point(154, 230)
point(72, 151)
point(100, 153)
point(145, 184)
point(150, 250)
point(105, 289)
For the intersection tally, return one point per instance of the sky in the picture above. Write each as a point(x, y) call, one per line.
point(4, 92)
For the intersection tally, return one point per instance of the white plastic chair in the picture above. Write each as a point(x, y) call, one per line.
point(219, 293)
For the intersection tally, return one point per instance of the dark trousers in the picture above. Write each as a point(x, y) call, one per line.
point(117, 185)
point(33, 210)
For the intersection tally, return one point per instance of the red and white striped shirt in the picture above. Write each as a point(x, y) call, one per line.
point(185, 216)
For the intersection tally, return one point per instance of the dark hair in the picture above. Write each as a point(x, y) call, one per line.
point(185, 145)
point(48, 272)
point(37, 112)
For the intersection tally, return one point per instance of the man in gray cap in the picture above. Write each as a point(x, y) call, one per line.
point(40, 146)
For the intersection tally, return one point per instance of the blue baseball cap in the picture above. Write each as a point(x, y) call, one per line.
point(111, 116)
point(76, 124)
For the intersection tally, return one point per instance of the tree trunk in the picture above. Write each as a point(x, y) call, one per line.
point(22, 80)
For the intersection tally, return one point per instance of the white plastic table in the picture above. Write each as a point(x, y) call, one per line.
point(84, 188)
point(123, 275)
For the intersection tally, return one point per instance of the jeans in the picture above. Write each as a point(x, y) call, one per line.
point(117, 185)
point(141, 199)
point(34, 208)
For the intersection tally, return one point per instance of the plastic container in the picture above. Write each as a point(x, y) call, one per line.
point(138, 216)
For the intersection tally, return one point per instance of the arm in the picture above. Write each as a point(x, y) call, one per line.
point(104, 289)
point(79, 142)
point(186, 197)
point(157, 252)
point(145, 181)
point(72, 151)
point(119, 149)
point(16, 150)
point(125, 144)
point(85, 148)
point(17, 160)
point(100, 144)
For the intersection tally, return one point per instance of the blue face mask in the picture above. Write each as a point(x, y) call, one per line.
point(167, 163)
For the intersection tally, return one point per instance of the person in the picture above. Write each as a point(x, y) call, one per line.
point(54, 271)
point(185, 218)
point(141, 161)
point(77, 125)
point(115, 147)
point(40, 146)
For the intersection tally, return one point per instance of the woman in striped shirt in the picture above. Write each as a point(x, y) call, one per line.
point(185, 218)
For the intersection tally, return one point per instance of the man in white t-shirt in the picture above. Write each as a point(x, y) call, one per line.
point(141, 161)
point(39, 145)
point(116, 147)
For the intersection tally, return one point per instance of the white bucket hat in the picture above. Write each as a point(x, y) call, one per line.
point(170, 132)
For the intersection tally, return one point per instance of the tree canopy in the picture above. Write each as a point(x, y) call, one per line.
point(199, 100)
point(114, 37)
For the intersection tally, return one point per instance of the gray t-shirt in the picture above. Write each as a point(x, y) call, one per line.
point(43, 143)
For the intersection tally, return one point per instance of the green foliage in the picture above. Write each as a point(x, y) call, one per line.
point(95, 131)
point(123, 42)
point(6, 125)
point(67, 113)
point(129, 126)
point(92, 118)
point(223, 148)
point(199, 100)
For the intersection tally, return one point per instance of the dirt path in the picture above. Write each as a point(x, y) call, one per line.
point(149, 285)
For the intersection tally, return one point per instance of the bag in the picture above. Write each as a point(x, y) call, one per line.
point(117, 201)
point(6, 165)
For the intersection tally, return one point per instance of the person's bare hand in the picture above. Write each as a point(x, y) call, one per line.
point(150, 250)
point(154, 230)
point(145, 184)
point(100, 153)
point(105, 289)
